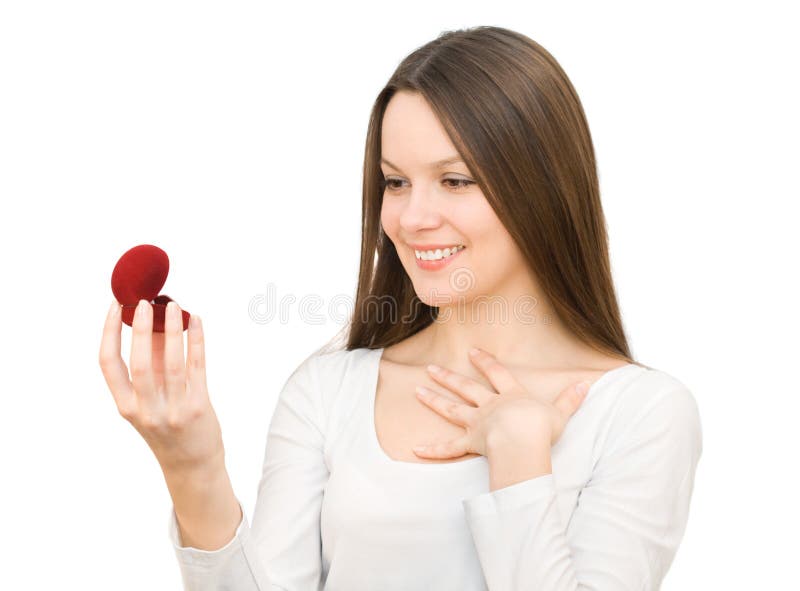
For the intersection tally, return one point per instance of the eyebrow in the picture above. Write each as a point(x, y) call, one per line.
point(437, 164)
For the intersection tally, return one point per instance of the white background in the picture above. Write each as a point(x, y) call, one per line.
point(232, 135)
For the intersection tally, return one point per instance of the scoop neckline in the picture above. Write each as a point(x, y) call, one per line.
point(378, 451)
point(375, 444)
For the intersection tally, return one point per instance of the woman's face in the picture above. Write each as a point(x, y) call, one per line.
point(428, 207)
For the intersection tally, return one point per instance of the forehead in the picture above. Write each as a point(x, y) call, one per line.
point(411, 132)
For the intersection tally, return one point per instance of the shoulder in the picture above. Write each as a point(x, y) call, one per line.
point(654, 390)
point(342, 362)
point(330, 381)
point(646, 403)
point(328, 365)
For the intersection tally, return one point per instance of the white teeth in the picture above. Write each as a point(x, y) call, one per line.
point(435, 255)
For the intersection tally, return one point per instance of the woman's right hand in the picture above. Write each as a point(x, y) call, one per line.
point(166, 399)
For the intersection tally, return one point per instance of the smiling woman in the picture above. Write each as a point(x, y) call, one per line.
point(484, 124)
point(452, 445)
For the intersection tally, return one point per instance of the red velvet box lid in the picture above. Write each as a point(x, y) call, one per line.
point(140, 274)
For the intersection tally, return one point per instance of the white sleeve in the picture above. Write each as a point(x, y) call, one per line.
point(282, 550)
point(206, 570)
point(630, 515)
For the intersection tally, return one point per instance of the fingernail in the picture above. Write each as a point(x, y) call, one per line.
point(194, 321)
point(172, 308)
point(474, 351)
point(434, 368)
point(114, 308)
point(582, 388)
point(140, 307)
point(420, 448)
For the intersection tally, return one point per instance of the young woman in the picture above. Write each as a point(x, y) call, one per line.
point(482, 229)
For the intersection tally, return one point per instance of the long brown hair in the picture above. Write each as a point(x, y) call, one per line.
point(517, 122)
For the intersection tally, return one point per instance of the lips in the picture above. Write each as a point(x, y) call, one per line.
point(437, 264)
point(140, 274)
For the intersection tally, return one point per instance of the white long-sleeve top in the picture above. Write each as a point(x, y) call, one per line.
point(335, 513)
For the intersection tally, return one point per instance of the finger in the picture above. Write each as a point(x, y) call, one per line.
point(467, 388)
point(445, 450)
point(142, 354)
point(174, 364)
point(196, 361)
point(570, 400)
point(158, 353)
point(114, 370)
point(455, 412)
point(497, 373)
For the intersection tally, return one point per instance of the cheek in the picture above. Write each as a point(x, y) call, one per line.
point(389, 219)
point(504, 245)
point(478, 223)
point(493, 247)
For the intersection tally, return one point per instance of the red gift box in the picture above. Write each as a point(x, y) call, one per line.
point(140, 274)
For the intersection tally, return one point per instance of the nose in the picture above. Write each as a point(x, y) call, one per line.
point(419, 212)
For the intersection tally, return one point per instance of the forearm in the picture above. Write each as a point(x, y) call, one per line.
point(512, 461)
point(205, 506)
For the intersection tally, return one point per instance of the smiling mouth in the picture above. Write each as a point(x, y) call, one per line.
point(438, 254)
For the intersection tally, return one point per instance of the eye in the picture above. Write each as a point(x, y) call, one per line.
point(390, 184)
point(394, 184)
point(459, 183)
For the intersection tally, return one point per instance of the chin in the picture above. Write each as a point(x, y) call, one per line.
point(438, 297)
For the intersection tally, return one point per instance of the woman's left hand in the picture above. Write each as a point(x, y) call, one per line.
point(509, 412)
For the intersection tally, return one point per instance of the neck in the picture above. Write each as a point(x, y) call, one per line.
point(520, 328)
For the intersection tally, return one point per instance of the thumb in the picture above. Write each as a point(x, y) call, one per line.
point(570, 400)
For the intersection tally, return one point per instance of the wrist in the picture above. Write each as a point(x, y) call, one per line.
point(206, 508)
point(515, 459)
point(208, 471)
point(504, 440)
